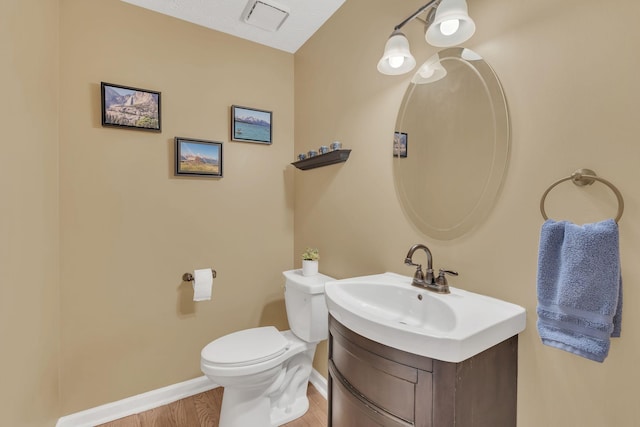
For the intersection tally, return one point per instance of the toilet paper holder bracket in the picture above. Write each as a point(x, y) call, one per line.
point(188, 277)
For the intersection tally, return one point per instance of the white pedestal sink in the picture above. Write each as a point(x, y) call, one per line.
point(449, 327)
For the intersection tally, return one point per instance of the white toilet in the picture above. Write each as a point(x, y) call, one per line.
point(265, 372)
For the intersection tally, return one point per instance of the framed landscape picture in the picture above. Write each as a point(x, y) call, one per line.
point(250, 125)
point(129, 107)
point(400, 144)
point(198, 157)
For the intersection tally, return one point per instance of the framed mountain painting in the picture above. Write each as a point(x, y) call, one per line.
point(130, 107)
point(251, 125)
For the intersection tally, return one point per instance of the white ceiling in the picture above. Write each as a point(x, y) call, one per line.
point(306, 17)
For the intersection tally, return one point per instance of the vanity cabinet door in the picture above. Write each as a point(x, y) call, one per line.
point(372, 385)
point(385, 383)
point(350, 409)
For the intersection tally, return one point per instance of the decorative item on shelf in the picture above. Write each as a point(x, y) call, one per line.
point(302, 156)
point(323, 149)
point(312, 153)
point(336, 145)
point(310, 258)
point(316, 161)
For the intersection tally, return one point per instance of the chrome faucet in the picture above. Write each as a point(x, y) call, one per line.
point(428, 281)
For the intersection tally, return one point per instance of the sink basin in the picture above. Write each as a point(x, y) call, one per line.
point(449, 327)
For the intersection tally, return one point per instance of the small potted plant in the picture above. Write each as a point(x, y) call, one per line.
point(310, 258)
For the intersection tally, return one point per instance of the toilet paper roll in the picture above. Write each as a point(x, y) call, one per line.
point(202, 284)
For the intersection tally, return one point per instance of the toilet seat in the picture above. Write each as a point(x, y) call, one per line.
point(246, 347)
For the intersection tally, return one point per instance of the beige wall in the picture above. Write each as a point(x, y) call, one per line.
point(569, 70)
point(29, 286)
point(130, 229)
point(92, 308)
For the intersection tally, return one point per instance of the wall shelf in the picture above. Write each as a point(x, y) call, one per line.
point(330, 158)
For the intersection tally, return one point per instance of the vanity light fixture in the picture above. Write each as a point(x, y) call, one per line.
point(429, 72)
point(447, 24)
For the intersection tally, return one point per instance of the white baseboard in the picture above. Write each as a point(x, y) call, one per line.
point(136, 404)
point(155, 398)
point(319, 382)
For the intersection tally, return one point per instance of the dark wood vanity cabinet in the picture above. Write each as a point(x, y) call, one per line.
point(371, 384)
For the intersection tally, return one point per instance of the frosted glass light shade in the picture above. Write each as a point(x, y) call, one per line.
point(429, 72)
point(447, 11)
point(397, 58)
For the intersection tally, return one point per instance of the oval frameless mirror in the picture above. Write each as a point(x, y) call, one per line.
point(451, 144)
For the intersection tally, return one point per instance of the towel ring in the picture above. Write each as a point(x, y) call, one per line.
point(583, 177)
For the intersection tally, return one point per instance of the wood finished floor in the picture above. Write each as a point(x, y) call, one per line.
point(203, 410)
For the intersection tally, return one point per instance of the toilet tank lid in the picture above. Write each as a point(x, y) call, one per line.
point(309, 284)
point(247, 346)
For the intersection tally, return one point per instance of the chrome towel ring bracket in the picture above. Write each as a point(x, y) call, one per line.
point(583, 177)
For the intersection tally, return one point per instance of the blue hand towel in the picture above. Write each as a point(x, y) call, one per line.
point(579, 287)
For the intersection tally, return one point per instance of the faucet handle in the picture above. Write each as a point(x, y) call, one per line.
point(418, 275)
point(442, 280)
point(452, 273)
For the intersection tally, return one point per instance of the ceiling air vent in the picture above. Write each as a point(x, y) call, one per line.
point(265, 14)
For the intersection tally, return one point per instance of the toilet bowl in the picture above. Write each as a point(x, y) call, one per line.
point(264, 371)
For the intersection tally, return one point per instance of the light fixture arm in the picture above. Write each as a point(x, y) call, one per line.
point(433, 3)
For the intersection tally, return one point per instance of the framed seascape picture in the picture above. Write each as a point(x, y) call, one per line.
point(400, 144)
point(130, 107)
point(250, 125)
point(198, 157)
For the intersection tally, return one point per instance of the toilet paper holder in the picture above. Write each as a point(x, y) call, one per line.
point(188, 277)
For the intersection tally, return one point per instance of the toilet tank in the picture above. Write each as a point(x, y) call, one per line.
point(306, 307)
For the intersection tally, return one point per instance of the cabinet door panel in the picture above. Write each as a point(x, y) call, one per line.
point(389, 385)
point(350, 410)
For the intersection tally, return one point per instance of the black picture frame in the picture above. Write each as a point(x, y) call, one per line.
point(251, 125)
point(198, 157)
point(400, 144)
point(129, 107)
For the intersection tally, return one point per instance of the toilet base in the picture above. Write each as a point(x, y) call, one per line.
point(241, 409)
point(267, 398)
point(280, 416)
point(256, 409)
